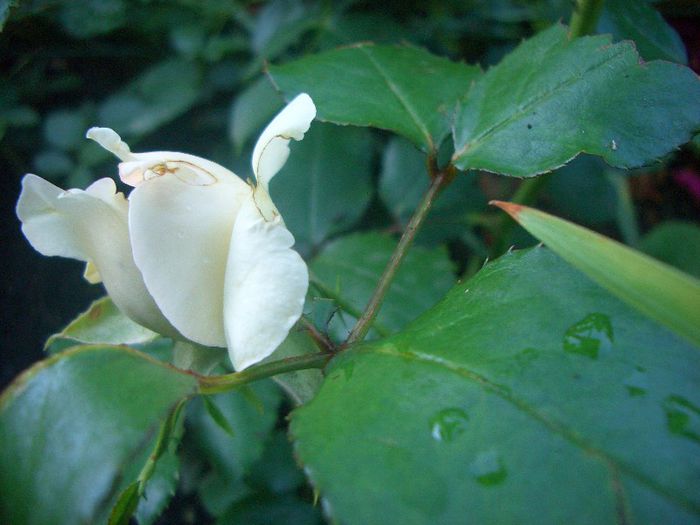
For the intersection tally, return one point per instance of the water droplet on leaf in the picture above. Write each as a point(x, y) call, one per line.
point(448, 424)
point(682, 417)
point(589, 336)
point(488, 468)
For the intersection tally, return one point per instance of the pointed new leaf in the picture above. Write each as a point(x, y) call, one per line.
point(553, 98)
point(528, 395)
point(403, 89)
point(660, 291)
point(72, 424)
point(102, 323)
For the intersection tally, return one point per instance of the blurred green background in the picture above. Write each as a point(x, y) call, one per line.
point(188, 75)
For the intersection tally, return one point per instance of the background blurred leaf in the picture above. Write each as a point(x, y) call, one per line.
point(252, 109)
point(72, 423)
point(404, 180)
point(641, 22)
point(553, 98)
point(582, 192)
point(389, 87)
point(350, 266)
point(326, 184)
point(162, 93)
point(676, 243)
point(481, 409)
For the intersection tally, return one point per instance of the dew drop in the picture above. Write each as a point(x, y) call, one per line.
point(682, 417)
point(448, 424)
point(589, 336)
point(637, 383)
point(488, 468)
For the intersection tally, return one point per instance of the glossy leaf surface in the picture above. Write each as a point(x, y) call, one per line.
point(553, 98)
point(74, 423)
point(403, 89)
point(528, 395)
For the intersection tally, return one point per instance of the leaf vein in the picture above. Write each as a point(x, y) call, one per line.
point(556, 427)
point(400, 97)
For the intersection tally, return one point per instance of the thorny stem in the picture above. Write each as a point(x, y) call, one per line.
point(439, 179)
point(324, 344)
point(224, 383)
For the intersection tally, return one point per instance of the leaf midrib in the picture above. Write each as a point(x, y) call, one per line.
point(527, 107)
point(555, 427)
point(422, 128)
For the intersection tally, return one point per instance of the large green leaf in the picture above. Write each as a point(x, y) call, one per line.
point(72, 424)
point(639, 21)
point(528, 395)
point(326, 184)
point(403, 89)
point(553, 98)
point(349, 268)
point(656, 289)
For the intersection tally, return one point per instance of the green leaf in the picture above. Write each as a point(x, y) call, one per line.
point(403, 182)
point(326, 184)
point(350, 267)
point(553, 98)
point(639, 21)
point(676, 243)
point(400, 88)
point(101, 323)
point(161, 486)
point(654, 288)
point(528, 395)
point(72, 423)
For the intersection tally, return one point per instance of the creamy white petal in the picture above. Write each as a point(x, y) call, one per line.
point(272, 149)
point(137, 168)
point(90, 226)
point(266, 282)
point(111, 141)
point(180, 236)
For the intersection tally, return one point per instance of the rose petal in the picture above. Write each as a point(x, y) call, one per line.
point(180, 235)
point(272, 149)
point(265, 287)
point(90, 226)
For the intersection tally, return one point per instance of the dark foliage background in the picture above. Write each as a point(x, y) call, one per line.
point(188, 75)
